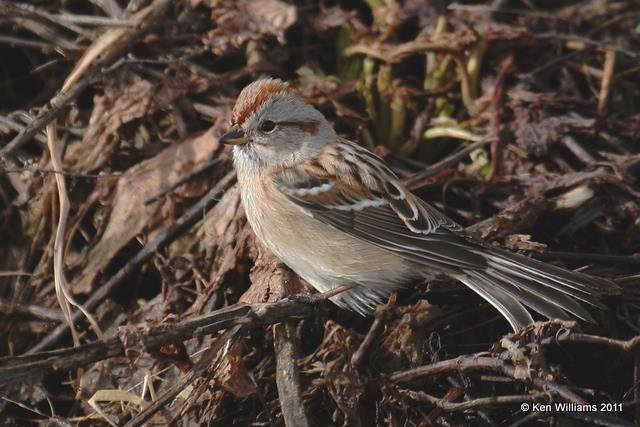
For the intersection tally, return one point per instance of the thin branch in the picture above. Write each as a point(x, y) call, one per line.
point(95, 20)
point(471, 363)
point(626, 346)
point(21, 42)
point(16, 369)
point(36, 311)
point(418, 179)
point(373, 332)
point(588, 42)
point(481, 402)
point(48, 113)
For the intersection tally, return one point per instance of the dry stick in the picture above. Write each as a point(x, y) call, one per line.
point(452, 394)
point(481, 402)
point(94, 20)
point(417, 179)
point(497, 146)
point(483, 363)
point(42, 313)
point(31, 44)
point(38, 16)
point(16, 126)
point(288, 375)
point(627, 346)
point(607, 78)
point(48, 113)
point(111, 8)
point(201, 366)
point(21, 368)
point(101, 54)
point(578, 150)
point(359, 354)
point(163, 238)
point(589, 42)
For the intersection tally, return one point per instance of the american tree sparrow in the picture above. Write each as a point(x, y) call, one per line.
point(338, 216)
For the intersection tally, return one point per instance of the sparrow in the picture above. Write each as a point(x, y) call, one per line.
point(337, 215)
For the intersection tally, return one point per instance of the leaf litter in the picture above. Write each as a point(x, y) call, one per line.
point(547, 92)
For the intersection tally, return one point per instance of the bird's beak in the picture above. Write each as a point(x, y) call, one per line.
point(235, 136)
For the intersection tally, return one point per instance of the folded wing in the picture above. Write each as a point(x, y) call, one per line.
point(352, 190)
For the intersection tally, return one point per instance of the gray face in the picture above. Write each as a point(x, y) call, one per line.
point(284, 130)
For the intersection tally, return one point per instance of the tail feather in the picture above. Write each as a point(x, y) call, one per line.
point(565, 278)
point(512, 282)
point(504, 302)
point(549, 302)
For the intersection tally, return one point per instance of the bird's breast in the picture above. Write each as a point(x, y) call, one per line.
point(321, 254)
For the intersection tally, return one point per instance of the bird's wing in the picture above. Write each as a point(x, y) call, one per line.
point(365, 199)
point(351, 189)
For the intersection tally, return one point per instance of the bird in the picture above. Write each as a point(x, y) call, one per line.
point(339, 217)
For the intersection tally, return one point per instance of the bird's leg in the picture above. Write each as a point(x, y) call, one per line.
point(319, 297)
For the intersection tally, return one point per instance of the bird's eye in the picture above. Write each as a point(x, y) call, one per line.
point(267, 126)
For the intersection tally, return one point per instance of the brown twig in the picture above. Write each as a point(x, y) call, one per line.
point(627, 346)
point(588, 42)
point(452, 394)
point(36, 311)
point(417, 180)
point(471, 363)
point(288, 375)
point(48, 113)
point(481, 402)
point(359, 354)
point(497, 146)
point(577, 150)
point(16, 369)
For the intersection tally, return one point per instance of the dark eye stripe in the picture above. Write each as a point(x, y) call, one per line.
point(308, 127)
point(267, 126)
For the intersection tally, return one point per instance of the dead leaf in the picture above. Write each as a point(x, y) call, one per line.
point(130, 216)
point(240, 21)
point(233, 375)
point(520, 361)
point(111, 111)
point(523, 242)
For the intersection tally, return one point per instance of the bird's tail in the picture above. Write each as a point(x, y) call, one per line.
point(512, 282)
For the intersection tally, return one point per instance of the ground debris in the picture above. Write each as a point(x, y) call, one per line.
point(519, 120)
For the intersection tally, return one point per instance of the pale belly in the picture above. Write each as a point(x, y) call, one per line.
point(324, 256)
